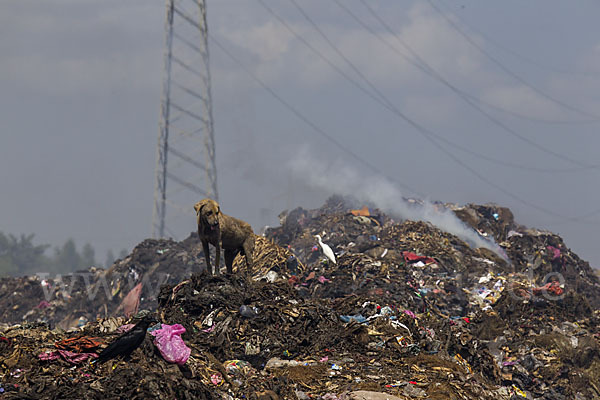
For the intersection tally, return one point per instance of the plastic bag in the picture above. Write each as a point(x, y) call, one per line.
point(168, 341)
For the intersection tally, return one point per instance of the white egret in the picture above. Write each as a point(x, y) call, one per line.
point(326, 250)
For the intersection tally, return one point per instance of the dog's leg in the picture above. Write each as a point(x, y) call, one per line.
point(207, 256)
point(218, 257)
point(248, 250)
point(229, 257)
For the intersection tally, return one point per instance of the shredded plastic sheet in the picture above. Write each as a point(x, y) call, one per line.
point(168, 341)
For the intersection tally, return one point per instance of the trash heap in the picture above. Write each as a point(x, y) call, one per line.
point(74, 299)
point(408, 311)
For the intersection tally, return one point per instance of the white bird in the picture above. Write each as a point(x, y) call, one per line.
point(326, 250)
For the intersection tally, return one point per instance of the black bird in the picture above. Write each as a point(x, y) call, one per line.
point(127, 342)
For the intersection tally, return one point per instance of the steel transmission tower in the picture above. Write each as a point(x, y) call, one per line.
point(185, 136)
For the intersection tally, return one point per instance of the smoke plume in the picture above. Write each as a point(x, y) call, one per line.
point(341, 179)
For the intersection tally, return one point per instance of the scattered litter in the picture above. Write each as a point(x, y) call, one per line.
point(407, 311)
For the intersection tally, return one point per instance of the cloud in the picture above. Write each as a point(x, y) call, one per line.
point(269, 41)
point(426, 34)
point(273, 53)
point(79, 75)
point(277, 53)
point(442, 47)
point(88, 49)
point(581, 87)
point(522, 99)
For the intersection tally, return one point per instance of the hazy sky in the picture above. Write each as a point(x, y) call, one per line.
point(505, 109)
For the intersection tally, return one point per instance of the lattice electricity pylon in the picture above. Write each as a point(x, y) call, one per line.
point(186, 126)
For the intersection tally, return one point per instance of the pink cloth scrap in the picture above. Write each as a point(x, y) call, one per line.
point(125, 328)
point(73, 358)
point(43, 304)
point(131, 302)
point(555, 252)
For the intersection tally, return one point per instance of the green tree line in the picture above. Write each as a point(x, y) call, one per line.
point(21, 256)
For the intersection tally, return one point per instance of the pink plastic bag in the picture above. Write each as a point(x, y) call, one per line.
point(169, 343)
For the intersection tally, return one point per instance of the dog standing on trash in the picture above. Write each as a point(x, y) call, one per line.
point(220, 230)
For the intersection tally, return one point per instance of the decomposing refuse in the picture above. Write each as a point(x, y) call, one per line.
point(397, 310)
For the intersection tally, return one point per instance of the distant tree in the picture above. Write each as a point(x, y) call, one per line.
point(7, 267)
point(110, 259)
point(66, 257)
point(19, 256)
point(87, 256)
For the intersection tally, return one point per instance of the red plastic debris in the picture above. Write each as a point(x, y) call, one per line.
point(409, 256)
point(79, 344)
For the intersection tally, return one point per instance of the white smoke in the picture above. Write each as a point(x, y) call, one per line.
point(344, 180)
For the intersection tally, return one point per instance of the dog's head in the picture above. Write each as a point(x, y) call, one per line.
point(207, 213)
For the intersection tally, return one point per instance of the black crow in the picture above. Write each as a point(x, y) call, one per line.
point(127, 342)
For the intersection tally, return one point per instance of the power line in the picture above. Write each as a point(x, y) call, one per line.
point(519, 55)
point(426, 68)
point(507, 70)
point(330, 43)
point(423, 131)
point(307, 121)
point(530, 117)
point(316, 51)
point(429, 70)
point(389, 105)
point(422, 65)
point(383, 101)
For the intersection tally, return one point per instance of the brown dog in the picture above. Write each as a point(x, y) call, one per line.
point(218, 229)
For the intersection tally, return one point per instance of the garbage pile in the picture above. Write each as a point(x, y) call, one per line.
point(74, 299)
point(406, 311)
